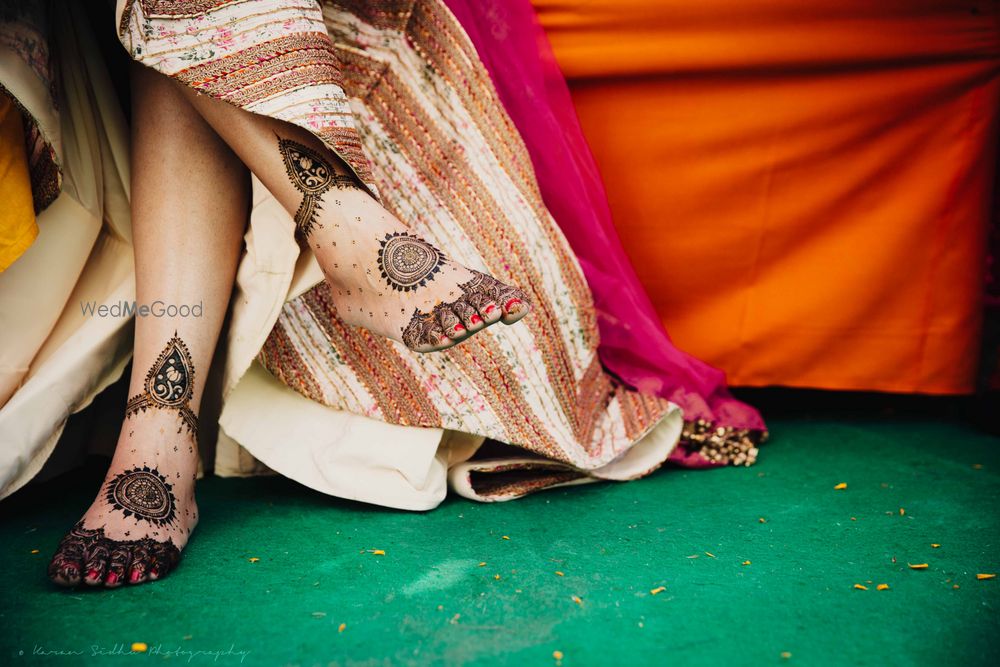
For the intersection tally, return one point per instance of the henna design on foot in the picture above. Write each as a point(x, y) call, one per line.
point(484, 299)
point(408, 262)
point(483, 291)
point(145, 494)
point(169, 385)
point(313, 176)
point(423, 333)
point(108, 560)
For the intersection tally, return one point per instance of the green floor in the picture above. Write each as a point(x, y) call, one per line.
point(427, 600)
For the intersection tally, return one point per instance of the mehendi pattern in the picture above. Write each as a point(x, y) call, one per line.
point(425, 331)
point(407, 261)
point(143, 493)
point(169, 385)
point(313, 176)
point(85, 550)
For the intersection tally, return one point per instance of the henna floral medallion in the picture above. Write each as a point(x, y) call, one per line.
point(143, 493)
point(408, 262)
point(313, 176)
point(169, 385)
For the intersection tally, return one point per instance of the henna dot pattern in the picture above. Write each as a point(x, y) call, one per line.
point(408, 262)
point(313, 176)
point(169, 385)
point(143, 493)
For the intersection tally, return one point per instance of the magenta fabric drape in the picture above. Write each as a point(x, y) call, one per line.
point(634, 344)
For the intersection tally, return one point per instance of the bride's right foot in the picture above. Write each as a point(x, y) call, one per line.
point(384, 278)
point(145, 510)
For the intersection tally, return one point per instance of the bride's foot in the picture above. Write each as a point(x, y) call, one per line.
point(145, 510)
point(143, 514)
point(384, 278)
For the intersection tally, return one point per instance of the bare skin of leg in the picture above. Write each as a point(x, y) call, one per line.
point(383, 278)
point(189, 208)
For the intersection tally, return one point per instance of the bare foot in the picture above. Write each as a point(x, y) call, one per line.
point(145, 510)
point(384, 278)
point(143, 514)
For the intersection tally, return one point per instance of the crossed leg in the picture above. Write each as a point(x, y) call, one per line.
point(189, 207)
point(383, 277)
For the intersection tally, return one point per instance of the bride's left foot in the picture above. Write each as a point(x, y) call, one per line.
point(144, 513)
point(135, 529)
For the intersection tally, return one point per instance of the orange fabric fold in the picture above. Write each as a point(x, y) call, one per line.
point(804, 188)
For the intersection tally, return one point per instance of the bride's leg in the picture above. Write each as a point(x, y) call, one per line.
point(189, 207)
point(384, 278)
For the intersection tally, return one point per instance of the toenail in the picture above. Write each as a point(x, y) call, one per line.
point(512, 303)
point(475, 319)
point(93, 574)
point(459, 327)
point(154, 573)
point(112, 578)
point(134, 576)
point(490, 308)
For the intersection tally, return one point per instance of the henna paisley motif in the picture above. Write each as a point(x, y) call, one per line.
point(408, 262)
point(169, 385)
point(313, 176)
point(143, 493)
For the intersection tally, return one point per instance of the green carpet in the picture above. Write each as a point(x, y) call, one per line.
point(427, 600)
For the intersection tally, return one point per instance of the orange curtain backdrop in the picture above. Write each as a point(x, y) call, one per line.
point(803, 187)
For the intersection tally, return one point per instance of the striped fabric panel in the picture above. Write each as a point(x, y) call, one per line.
point(449, 163)
point(399, 82)
point(271, 57)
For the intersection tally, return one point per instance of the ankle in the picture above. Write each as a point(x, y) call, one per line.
point(167, 386)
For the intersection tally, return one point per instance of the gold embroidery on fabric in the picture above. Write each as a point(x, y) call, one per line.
point(183, 8)
point(43, 170)
point(388, 379)
point(721, 444)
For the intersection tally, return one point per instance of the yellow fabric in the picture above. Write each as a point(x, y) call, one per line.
point(18, 228)
point(53, 359)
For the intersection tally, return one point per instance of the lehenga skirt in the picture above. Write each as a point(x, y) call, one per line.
point(398, 91)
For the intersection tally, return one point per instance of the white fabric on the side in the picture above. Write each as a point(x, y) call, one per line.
point(61, 358)
point(642, 458)
point(647, 454)
point(336, 452)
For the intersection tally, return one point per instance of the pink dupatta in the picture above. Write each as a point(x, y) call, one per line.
point(634, 345)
